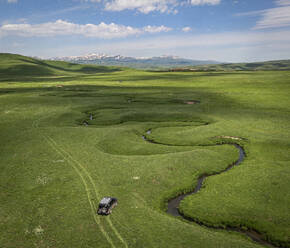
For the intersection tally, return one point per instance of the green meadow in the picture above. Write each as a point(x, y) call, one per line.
point(55, 168)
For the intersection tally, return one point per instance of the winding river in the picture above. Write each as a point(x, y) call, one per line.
point(173, 204)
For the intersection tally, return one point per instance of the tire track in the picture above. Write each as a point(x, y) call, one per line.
point(108, 220)
point(51, 142)
point(61, 151)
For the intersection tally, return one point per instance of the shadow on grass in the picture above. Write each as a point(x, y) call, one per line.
point(86, 69)
point(173, 76)
point(39, 71)
point(141, 99)
point(21, 70)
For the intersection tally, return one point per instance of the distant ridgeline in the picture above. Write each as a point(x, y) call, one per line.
point(13, 65)
point(277, 65)
point(172, 63)
point(140, 63)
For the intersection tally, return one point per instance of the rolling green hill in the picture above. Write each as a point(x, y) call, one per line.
point(13, 66)
point(22, 67)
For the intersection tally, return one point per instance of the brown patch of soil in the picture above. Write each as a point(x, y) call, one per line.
point(191, 102)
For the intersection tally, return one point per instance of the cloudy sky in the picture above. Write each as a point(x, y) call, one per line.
point(223, 30)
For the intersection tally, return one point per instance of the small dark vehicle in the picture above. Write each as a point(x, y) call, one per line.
point(106, 205)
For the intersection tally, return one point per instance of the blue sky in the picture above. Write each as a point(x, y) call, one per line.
point(223, 30)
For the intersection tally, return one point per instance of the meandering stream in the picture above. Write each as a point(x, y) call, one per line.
point(173, 204)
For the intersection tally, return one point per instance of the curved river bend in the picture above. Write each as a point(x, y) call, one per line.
point(173, 204)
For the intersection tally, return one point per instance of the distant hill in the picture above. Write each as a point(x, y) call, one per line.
point(143, 63)
point(281, 65)
point(16, 66)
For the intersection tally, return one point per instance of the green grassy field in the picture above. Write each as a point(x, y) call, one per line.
point(54, 169)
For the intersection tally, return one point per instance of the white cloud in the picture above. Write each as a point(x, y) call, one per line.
point(60, 27)
point(275, 17)
point(186, 29)
point(12, 1)
point(202, 43)
point(283, 2)
point(144, 6)
point(250, 13)
point(229, 46)
point(205, 2)
point(272, 18)
point(218, 40)
point(156, 29)
point(147, 6)
point(92, 1)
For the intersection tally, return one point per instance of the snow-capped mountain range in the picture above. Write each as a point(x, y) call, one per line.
point(141, 62)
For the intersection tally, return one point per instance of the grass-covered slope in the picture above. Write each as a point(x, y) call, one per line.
point(54, 169)
point(13, 66)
